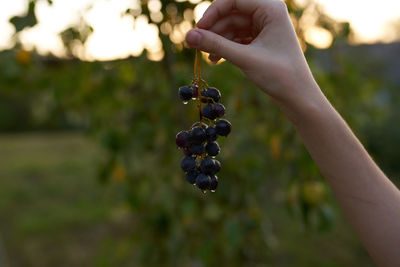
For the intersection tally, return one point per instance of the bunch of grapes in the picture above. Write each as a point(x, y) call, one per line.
point(199, 143)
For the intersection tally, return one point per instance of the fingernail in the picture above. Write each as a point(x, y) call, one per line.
point(198, 24)
point(193, 38)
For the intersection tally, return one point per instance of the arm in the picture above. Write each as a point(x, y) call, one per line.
point(258, 37)
point(368, 198)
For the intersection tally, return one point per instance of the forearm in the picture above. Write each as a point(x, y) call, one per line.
point(369, 199)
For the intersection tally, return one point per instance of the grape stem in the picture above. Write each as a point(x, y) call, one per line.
point(201, 85)
point(198, 81)
point(212, 121)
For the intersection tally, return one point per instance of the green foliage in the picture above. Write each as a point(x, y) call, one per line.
point(29, 20)
point(50, 200)
point(68, 36)
point(134, 118)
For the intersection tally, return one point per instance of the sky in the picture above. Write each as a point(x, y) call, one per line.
point(371, 20)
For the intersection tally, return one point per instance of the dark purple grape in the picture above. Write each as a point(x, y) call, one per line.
point(207, 166)
point(203, 181)
point(217, 166)
point(186, 151)
point(223, 127)
point(204, 98)
point(207, 111)
point(191, 176)
point(214, 94)
point(218, 110)
point(212, 149)
point(197, 149)
point(197, 135)
point(188, 164)
point(195, 89)
point(211, 134)
point(197, 124)
point(213, 183)
point(182, 139)
point(185, 93)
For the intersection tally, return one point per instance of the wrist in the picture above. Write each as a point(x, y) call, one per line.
point(304, 106)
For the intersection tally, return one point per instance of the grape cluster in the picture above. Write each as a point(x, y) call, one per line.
point(199, 143)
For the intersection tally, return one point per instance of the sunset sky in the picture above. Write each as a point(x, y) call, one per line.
point(372, 21)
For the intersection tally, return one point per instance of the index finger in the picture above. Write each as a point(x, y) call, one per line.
point(222, 8)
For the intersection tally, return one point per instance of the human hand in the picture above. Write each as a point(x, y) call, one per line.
point(259, 38)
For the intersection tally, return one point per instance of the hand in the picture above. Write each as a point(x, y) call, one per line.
point(259, 38)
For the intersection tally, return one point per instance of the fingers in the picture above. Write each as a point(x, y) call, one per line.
point(236, 37)
point(233, 33)
point(222, 8)
point(230, 35)
point(236, 27)
point(216, 44)
point(232, 22)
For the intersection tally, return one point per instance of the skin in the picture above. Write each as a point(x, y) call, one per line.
point(258, 37)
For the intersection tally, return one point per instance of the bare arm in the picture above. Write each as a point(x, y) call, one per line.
point(258, 37)
point(369, 199)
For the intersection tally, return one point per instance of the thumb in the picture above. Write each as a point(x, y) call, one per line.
point(215, 44)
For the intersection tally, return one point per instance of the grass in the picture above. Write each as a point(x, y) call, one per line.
point(53, 212)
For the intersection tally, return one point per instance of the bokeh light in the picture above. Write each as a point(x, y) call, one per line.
point(200, 9)
point(370, 21)
point(319, 37)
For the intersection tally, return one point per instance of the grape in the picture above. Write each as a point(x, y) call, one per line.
point(197, 149)
point(185, 93)
point(211, 134)
point(212, 149)
point(203, 181)
point(188, 164)
point(182, 139)
point(191, 176)
point(208, 112)
point(218, 110)
point(197, 124)
point(195, 90)
point(197, 135)
point(223, 127)
point(214, 94)
point(213, 183)
point(204, 98)
point(207, 166)
point(186, 151)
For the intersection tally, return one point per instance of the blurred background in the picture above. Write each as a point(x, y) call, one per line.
point(89, 170)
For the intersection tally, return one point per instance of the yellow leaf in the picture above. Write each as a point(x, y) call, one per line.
point(313, 193)
point(23, 57)
point(275, 146)
point(119, 173)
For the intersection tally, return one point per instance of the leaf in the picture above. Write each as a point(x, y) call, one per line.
point(29, 20)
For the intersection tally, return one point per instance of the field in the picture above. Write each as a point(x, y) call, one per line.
point(53, 212)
